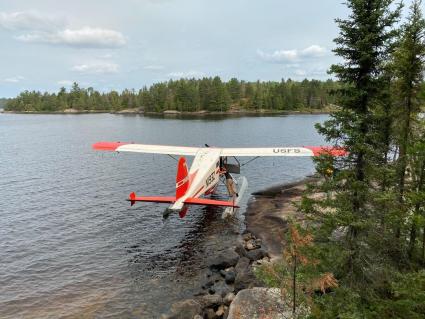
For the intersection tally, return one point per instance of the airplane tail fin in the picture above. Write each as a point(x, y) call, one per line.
point(182, 178)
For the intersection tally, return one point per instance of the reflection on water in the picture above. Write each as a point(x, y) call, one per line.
point(70, 245)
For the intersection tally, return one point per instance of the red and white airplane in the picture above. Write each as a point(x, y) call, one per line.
point(209, 164)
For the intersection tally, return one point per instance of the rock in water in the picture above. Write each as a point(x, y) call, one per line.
point(221, 288)
point(210, 300)
point(185, 309)
point(259, 303)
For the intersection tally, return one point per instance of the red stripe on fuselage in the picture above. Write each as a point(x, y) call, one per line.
point(199, 190)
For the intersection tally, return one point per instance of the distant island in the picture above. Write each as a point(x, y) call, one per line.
point(185, 95)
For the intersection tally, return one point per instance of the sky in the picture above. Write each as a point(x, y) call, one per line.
point(113, 45)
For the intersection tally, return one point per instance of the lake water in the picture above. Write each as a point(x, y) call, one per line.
point(72, 247)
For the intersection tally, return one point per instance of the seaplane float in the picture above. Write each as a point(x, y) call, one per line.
point(210, 166)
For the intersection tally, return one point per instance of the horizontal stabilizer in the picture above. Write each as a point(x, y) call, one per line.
point(205, 201)
point(153, 199)
point(171, 199)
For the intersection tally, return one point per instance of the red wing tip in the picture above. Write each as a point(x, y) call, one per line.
point(132, 198)
point(321, 150)
point(107, 146)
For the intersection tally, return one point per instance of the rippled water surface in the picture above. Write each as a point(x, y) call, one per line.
point(70, 245)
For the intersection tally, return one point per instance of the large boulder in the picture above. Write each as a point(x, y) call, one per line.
point(224, 260)
point(259, 303)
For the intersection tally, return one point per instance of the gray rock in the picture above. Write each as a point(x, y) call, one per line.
point(198, 317)
point(210, 300)
point(247, 236)
point(221, 311)
point(210, 314)
point(229, 298)
point(230, 277)
point(258, 303)
point(245, 277)
point(242, 264)
point(240, 250)
point(221, 288)
point(250, 245)
point(185, 309)
point(212, 278)
point(256, 254)
point(224, 260)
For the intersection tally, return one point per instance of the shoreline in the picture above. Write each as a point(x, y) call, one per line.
point(182, 114)
point(270, 210)
point(230, 276)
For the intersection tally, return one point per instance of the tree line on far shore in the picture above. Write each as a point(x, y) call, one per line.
point(3, 102)
point(185, 95)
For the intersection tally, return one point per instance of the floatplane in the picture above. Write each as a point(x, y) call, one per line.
point(210, 166)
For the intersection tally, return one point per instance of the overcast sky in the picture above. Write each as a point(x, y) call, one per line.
point(110, 44)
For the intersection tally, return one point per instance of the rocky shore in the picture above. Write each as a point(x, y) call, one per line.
point(230, 289)
point(228, 273)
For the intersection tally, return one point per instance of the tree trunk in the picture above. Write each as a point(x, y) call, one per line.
point(294, 286)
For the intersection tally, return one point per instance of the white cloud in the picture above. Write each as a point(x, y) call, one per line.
point(279, 55)
point(313, 51)
point(65, 82)
point(154, 67)
point(14, 79)
point(96, 68)
point(294, 55)
point(188, 74)
point(85, 37)
point(30, 20)
point(35, 27)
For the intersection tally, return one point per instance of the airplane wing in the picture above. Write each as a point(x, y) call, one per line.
point(238, 152)
point(144, 148)
point(284, 151)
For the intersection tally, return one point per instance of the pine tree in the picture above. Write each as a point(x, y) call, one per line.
point(409, 65)
point(364, 43)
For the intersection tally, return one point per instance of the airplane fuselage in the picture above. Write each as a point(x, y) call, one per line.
point(204, 175)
